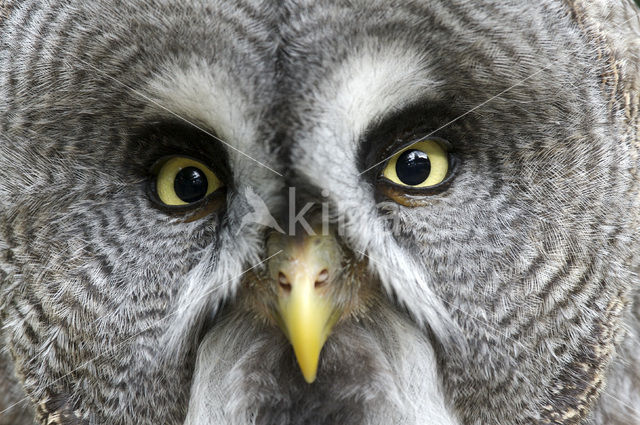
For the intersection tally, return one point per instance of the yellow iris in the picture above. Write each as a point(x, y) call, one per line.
point(166, 179)
point(438, 164)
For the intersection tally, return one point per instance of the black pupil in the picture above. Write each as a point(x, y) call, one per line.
point(413, 167)
point(191, 184)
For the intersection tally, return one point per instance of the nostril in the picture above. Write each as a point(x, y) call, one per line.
point(284, 283)
point(285, 287)
point(323, 278)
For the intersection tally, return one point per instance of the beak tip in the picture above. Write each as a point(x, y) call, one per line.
point(310, 378)
point(308, 363)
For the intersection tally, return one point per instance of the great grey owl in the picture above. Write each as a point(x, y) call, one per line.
point(287, 212)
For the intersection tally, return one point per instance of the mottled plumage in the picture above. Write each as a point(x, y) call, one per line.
point(508, 294)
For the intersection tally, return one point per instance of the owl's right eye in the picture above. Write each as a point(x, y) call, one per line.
point(181, 181)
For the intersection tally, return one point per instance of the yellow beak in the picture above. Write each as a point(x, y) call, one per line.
point(306, 318)
point(306, 308)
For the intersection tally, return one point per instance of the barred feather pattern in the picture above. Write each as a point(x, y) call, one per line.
point(517, 285)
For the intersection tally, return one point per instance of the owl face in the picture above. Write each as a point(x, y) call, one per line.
point(309, 212)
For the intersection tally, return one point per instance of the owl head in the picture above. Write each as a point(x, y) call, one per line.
point(300, 212)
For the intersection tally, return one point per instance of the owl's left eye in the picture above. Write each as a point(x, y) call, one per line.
point(183, 181)
point(421, 165)
point(418, 171)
